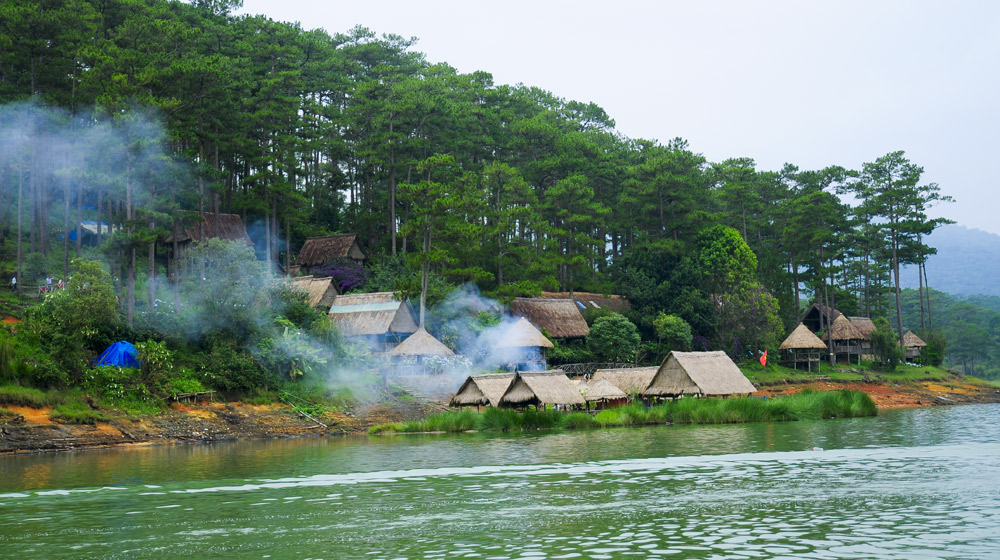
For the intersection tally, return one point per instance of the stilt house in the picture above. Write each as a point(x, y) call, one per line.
point(802, 347)
point(913, 344)
point(631, 381)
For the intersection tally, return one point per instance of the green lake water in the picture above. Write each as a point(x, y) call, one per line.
point(908, 484)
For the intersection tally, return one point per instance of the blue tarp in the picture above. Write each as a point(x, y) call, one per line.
point(121, 354)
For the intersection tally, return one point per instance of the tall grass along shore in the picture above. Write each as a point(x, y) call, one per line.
point(806, 405)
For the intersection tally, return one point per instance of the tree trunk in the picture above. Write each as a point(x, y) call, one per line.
point(424, 272)
point(927, 286)
point(20, 189)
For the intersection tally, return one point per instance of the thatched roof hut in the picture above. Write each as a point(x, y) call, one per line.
point(523, 334)
point(228, 227)
point(631, 381)
point(322, 291)
point(482, 390)
point(372, 314)
point(911, 340)
point(590, 300)
point(698, 373)
point(421, 343)
point(864, 326)
point(843, 329)
point(602, 390)
point(802, 338)
point(328, 248)
point(817, 315)
point(540, 388)
point(561, 318)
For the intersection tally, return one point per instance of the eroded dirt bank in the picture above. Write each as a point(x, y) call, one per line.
point(34, 431)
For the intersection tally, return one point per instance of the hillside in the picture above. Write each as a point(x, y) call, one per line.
point(967, 262)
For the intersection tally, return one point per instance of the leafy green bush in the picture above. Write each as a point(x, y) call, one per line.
point(234, 371)
point(614, 339)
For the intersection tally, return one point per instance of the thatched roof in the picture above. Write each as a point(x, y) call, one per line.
point(322, 291)
point(584, 300)
point(699, 373)
point(321, 250)
point(603, 390)
point(523, 334)
point(482, 390)
point(817, 315)
point(911, 340)
point(561, 318)
point(864, 325)
point(541, 388)
point(421, 343)
point(372, 314)
point(801, 339)
point(843, 329)
point(230, 228)
point(631, 381)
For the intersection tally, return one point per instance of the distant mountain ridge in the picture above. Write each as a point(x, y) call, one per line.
point(967, 262)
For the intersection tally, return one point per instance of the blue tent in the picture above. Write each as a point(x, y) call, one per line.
point(121, 354)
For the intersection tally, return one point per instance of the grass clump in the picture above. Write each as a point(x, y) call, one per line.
point(76, 412)
point(806, 405)
point(578, 420)
point(27, 396)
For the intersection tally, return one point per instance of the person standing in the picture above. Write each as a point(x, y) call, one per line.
point(13, 283)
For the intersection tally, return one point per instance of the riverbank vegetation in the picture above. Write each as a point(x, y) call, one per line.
point(805, 405)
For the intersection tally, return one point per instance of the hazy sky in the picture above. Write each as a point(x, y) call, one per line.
point(809, 83)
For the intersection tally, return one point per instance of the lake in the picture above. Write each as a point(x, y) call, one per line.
point(920, 483)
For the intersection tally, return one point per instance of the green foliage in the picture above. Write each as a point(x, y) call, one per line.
point(885, 346)
point(569, 352)
point(235, 371)
point(27, 396)
point(79, 321)
point(933, 354)
point(116, 385)
point(673, 332)
point(76, 412)
point(614, 339)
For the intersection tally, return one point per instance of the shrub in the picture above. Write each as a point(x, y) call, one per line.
point(614, 338)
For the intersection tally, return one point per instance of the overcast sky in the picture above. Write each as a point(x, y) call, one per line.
point(809, 83)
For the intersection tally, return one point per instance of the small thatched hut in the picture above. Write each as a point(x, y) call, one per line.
point(631, 381)
point(802, 346)
point(419, 344)
point(846, 338)
point(378, 317)
point(322, 291)
point(523, 344)
point(326, 249)
point(604, 394)
point(541, 388)
point(590, 300)
point(561, 318)
point(865, 327)
point(913, 344)
point(699, 373)
point(482, 390)
point(817, 316)
point(208, 225)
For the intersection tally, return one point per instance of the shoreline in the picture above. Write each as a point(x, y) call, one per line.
point(234, 421)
